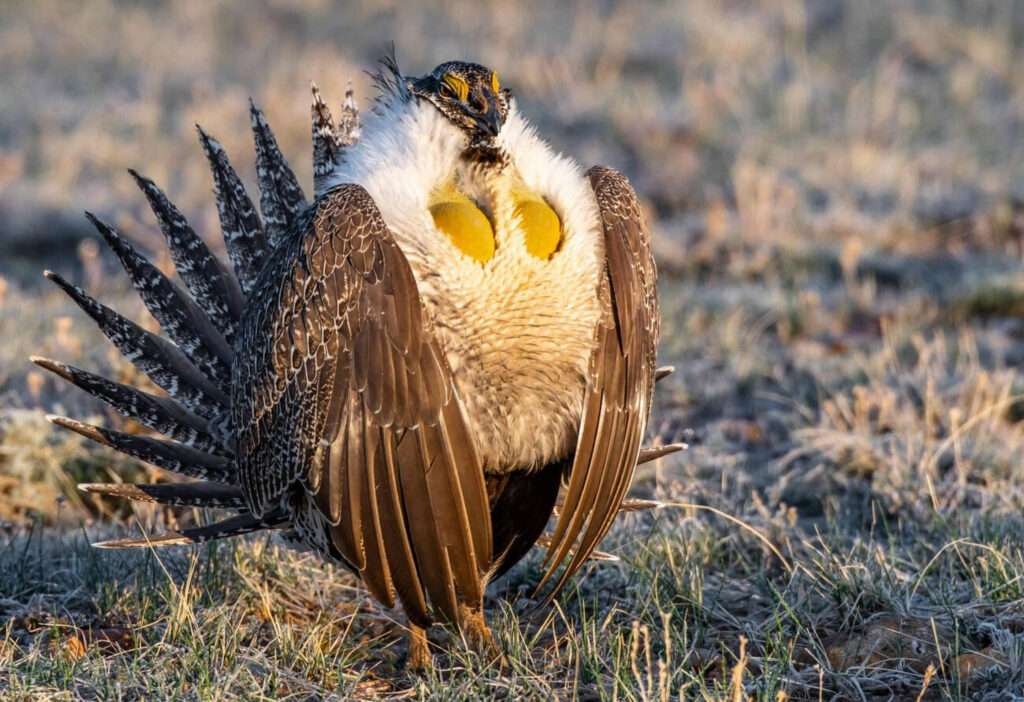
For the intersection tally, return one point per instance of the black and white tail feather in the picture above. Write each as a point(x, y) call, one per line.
point(198, 318)
point(200, 322)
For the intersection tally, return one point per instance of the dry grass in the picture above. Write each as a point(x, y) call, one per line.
point(837, 193)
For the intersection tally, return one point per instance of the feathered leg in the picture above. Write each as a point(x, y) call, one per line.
point(419, 658)
point(478, 634)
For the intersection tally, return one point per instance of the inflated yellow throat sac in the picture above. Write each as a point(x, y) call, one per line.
point(541, 227)
point(464, 223)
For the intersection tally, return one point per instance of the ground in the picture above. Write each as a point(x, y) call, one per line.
point(837, 195)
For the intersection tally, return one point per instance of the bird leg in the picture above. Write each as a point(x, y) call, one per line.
point(419, 658)
point(478, 633)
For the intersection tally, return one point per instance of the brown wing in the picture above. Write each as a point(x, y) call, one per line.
point(619, 390)
point(348, 418)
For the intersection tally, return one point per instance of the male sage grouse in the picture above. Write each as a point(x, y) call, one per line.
point(405, 371)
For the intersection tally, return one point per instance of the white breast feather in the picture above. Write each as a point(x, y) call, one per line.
point(518, 331)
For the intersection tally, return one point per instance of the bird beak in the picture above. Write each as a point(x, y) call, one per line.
point(489, 122)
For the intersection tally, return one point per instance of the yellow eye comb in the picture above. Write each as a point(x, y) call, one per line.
point(460, 86)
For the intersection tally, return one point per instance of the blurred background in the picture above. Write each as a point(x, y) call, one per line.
point(827, 180)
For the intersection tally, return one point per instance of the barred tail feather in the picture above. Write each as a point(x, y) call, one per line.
point(326, 149)
point(348, 130)
point(169, 455)
point(330, 141)
point(158, 358)
point(244, 237)
point(234, 526)
point(161, 414)
point(210, 282)
point(196, 494)
point(179, 317)
point(281, 198)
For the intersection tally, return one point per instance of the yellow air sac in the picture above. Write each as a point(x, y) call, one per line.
point(542, 230)
point(466, 226)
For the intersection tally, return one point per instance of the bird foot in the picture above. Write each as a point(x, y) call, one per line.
point(419, 659)
point(480, 637)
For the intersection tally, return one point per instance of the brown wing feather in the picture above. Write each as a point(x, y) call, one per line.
point(341, 391)
point(618, 395)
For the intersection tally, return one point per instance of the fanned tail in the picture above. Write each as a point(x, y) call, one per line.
point(199, 319)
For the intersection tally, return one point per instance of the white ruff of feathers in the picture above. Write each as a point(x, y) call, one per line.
point(518, 332)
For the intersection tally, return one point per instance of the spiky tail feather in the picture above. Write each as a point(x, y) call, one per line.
point(234, 526)
point(193, 364)
point(196, 494)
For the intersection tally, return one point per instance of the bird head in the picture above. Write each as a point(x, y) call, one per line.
point(469, 96)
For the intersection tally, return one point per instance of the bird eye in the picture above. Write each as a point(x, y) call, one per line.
point(447, 91)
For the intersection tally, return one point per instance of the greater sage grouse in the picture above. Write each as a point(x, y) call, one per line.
point(404, 372)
